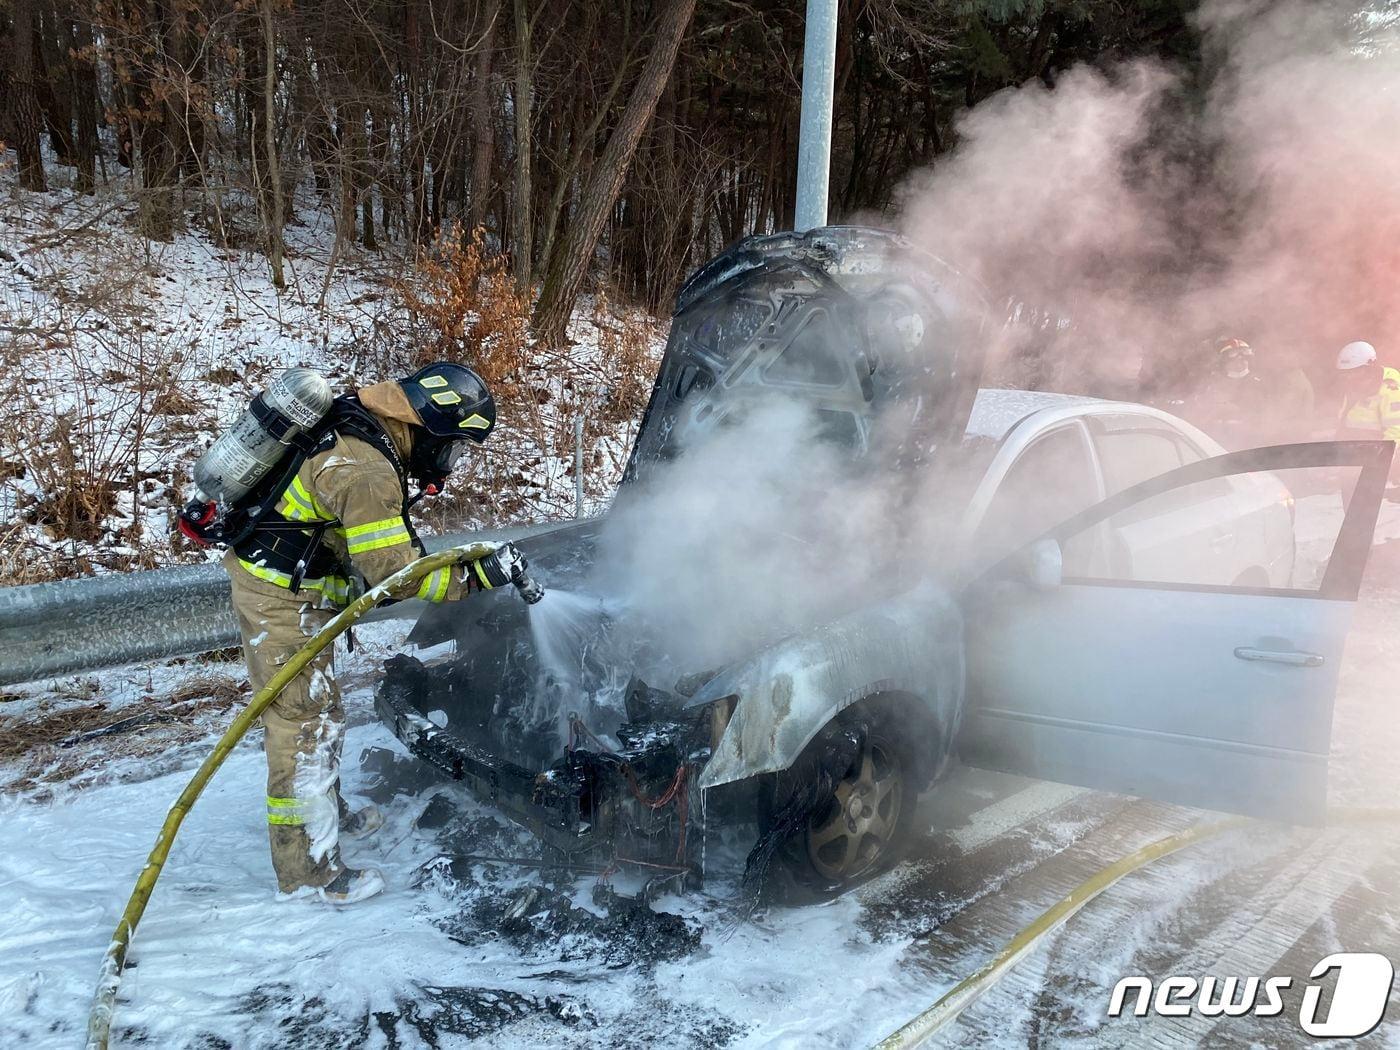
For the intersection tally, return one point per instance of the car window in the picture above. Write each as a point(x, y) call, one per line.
point(1131, 453)
point(1052, 480)
point(1262, 531)
point(1131, 456)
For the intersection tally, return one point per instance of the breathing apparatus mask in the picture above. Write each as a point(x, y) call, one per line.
point(433, 458)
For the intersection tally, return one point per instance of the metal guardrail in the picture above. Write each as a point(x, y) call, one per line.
point(50, 629)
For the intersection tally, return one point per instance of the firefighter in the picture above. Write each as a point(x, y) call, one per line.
point(1250, 399)
point(1368, 394)
point(1230, 394)
point(351, 496)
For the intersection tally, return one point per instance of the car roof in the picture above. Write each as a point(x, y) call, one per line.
point(995, 412)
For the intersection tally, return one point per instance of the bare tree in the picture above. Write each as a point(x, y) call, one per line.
point(274, 206)
point(521, 239)
point(25, 117)
point(483, 120)
point(567, 275)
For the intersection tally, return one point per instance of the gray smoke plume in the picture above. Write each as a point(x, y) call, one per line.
point(1146, 211)
point(1125, 216)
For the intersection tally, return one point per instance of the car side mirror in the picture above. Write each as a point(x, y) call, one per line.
point(1043, 565)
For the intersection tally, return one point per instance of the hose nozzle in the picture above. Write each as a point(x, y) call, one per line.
point(529, 589)
point(506, 564)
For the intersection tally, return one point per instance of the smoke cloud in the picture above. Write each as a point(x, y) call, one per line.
point(1133, 212)
point(1126, 216)
point(755, 530)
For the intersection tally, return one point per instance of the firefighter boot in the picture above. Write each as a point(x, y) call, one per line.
point(353, 885)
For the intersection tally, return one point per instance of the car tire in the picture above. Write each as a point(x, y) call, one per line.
point(858, 822)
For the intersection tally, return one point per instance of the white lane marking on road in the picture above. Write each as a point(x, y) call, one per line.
point(991, 822)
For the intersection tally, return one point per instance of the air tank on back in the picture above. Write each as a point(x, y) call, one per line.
point(243, 454)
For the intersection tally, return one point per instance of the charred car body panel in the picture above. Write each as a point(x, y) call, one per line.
point(910, 645)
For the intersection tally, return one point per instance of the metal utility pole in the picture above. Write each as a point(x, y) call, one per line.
point(814, 138)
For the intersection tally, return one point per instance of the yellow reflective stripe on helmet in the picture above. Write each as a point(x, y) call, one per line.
point(433, 382)
point(481, 574)
point(475, 421)
point(434, 585)
point(447, 397)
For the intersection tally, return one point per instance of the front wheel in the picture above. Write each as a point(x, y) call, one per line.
point(847, 806)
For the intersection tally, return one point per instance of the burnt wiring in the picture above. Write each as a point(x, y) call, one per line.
point(676, 793)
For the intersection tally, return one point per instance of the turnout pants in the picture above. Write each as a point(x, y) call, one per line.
point(304, 728)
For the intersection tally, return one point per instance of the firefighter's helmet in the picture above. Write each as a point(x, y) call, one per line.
point(452, 401)
point(1356, 355)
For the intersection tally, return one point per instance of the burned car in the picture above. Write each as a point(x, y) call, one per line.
point(1068, 588)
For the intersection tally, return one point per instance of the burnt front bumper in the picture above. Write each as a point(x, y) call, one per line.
point(594, 804)
point(524, 795)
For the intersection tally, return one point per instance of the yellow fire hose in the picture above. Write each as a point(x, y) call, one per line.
point(104, 1001)
point(967, 991)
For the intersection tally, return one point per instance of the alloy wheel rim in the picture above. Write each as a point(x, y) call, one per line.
point(853, 833)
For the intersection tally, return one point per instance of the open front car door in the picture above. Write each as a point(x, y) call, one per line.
point(1181, 640)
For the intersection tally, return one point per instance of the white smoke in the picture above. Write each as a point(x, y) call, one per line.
point(1154, 210)
point(1143, 210)
point(756, 529)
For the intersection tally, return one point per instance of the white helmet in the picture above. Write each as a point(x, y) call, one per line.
point(1356, 355)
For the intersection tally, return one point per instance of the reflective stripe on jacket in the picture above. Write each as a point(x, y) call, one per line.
point(1380, 412)
point(355, 491)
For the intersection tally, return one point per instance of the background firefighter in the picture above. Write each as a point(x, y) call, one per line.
point(342, 519)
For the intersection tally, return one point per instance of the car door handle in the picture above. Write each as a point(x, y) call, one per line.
point(1292, 657)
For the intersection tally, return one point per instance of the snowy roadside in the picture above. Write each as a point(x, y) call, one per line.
point(122, 358)
point(221, 960)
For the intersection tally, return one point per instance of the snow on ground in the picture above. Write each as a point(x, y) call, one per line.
point(144, 350)
point(220, 957)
